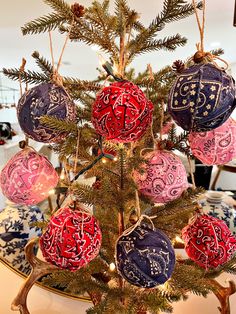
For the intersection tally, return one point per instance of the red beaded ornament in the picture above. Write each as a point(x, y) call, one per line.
point(121, 112)
point(72, 239)
point(208, 241)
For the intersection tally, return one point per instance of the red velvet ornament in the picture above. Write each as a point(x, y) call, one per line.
point(121, 112)
point(208, 241)
point(72, 239)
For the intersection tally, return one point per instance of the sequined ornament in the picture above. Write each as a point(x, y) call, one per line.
point(144, 256)
point(16, 229)
point(202, 98)
point(216, 147)
point(121, 112)
point(72, 239)
point(163, 178)
point(28, 177)
point(208, 241)
point(44, 99)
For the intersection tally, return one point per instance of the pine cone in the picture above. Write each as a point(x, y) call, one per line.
point(178, 66)
point(78, 10)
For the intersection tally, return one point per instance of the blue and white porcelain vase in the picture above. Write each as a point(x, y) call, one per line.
point(16, 229)
point(214, 205)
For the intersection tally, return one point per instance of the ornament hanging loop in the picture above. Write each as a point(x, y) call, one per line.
point(56, 77)
point(201, 25)
point(201, 56)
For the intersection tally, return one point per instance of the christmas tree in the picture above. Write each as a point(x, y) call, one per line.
point(117, 154)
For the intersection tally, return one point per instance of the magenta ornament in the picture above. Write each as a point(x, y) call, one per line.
point(164, 177)
point(28, 177)
point(216, 147)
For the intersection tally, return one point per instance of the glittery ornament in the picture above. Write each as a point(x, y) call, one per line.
point(28, 177)
point(216, 147)
point(208, 241)
point(121, 112)
point(144, 256)
point(72, 239)
point(44, 99)
point(16, 229)
point(202, 98)
point(164, 177)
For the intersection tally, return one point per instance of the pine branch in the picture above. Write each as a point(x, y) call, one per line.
point(43, 24)
point(174, 10)
point(60, 125)
point(60, 6)
point(30, 77)
point(44, 64)
point(168, 43)
point(81, 85)
point(92, 35)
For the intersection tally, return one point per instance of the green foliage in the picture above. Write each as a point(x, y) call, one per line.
point(51, 21)
point(122, 37)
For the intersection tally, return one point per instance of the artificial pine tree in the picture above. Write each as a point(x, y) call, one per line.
point(114, 195)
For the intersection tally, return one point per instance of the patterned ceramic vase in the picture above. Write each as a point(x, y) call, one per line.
point(16, 229)
point(215, 206)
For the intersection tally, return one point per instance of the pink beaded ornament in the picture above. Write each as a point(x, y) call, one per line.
point(72, 239)
point(216, 147)
point(28, 177)
point(164, 177)
point(208, 241)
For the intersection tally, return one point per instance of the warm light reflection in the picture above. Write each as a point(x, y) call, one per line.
point(112, 267)
point(51, 192)
point(102, 61)
point(62, 175)
point(178, 239)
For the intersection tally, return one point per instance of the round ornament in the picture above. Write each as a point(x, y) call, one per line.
point(144, 256)
point(164, 177)
point(72, 239)
point(16, 229)
point(202, 98)
point(214, 205)
point(121, 112)
point(208, 241)
point(216, 147)
point(5, 131)
point(28, 177)
point(44, 99)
